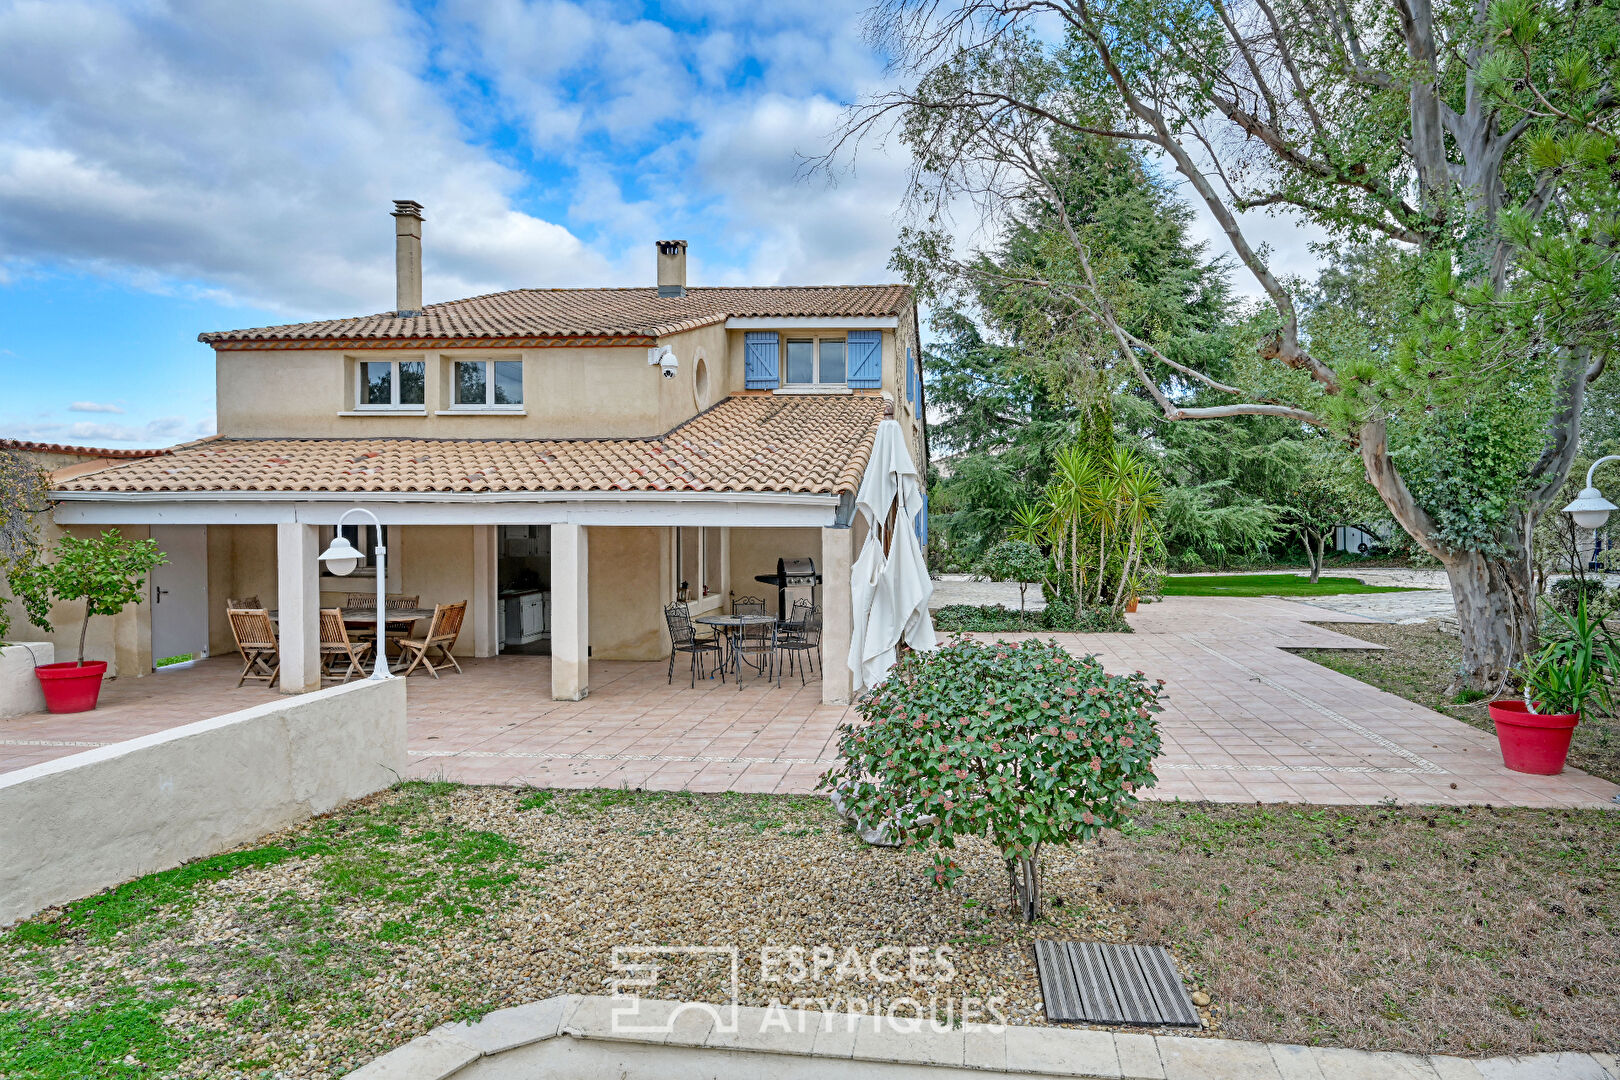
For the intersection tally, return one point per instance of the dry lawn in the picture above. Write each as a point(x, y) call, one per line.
point(1462, 931)
point(1420, 661)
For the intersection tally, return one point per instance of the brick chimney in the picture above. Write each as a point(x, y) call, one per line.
point(407, 257)
point(672, 268)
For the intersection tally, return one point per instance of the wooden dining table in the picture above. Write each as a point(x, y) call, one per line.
point(358, 618)
point(364, 617)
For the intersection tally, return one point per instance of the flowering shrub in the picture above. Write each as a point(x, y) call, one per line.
point(1021, 742)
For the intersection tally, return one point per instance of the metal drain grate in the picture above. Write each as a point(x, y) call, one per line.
point(1112, 984)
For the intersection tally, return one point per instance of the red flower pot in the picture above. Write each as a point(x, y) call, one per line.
point(1532, 742)
point(71, 687)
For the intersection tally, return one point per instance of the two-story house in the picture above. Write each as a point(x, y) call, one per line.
point(566, 460)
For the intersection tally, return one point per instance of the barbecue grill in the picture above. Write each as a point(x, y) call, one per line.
point(790, 574)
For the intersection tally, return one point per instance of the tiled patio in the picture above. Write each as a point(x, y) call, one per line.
point(1245, 721)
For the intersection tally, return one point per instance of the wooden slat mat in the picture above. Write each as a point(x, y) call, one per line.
point(1083, 981)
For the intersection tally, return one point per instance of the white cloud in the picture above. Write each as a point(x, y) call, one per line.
point(254, 149)
point(95, 406)
point(162, 431)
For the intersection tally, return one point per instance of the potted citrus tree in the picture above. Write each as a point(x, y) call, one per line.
point(107, 573)
point(1568, 675)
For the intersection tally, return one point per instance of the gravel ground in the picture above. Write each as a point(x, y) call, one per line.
point(313, 965)
point(332, 942)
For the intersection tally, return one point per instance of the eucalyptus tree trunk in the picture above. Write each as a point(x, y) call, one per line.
point(1496, 615)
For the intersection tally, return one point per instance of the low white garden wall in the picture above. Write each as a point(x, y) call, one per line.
point(616, 1038)
point(19, 689)
point(74, 826)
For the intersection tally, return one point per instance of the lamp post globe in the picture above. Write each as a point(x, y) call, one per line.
point(341, 558)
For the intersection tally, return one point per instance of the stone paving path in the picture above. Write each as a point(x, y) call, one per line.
point(1245, 721)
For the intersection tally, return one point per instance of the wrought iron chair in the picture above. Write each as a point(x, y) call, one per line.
point(684, 639)
point(256, 640)
point(338, 649)
point(800, 640)
point(441, 635)
point(757, 640)
point(794, 618)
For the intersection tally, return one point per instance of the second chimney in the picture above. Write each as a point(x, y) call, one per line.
point(407, 257)
point(672, 268)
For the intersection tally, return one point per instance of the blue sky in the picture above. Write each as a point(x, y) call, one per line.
point(173, 167)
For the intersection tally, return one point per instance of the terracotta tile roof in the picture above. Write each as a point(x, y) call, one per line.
point(539, 313)
point(806, 444)
point(83, 451)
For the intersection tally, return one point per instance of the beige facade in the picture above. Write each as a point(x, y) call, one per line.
point(569, 392)
point(627, 528)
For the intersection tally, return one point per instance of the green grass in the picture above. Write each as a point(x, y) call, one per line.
point(124, 1037)
point(1269, 585)
point(105, 915)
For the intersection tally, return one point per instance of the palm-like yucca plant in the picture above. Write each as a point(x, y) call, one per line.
point(1140, 494)
point(1096, 518)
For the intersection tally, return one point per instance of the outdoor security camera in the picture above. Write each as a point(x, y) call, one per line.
point(664, 357)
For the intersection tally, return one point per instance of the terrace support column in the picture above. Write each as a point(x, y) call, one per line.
point(485, 606)
point(837, 615)
point(570, 612)
point(298, 596)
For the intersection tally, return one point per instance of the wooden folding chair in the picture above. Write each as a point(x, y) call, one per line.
point(337, 648)
point(255, 638)
point(402, 603)
point(243, 603)
point(441, 635)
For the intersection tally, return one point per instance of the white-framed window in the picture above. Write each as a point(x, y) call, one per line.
point(821, 361)
point(390, 385)
point(697, 563)
point(486, 384)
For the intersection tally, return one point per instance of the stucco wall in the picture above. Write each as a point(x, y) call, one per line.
point(19, 689)
point(567, 393)
point(82, 823)
point(628, 590)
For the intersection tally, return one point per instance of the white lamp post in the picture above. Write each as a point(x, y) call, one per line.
point(341, 559)
point(1590, 509)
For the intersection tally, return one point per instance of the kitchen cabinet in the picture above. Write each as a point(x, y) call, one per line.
point(525, 617)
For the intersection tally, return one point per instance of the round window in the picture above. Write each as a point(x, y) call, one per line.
point(700, 383)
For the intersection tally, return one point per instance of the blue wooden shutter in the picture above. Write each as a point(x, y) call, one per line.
point(911, 380)
point(866, 358)
point(760, 354)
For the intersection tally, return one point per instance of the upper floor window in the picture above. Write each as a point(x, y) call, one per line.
point(485, 384)
point(390, 384)
point(815, 362)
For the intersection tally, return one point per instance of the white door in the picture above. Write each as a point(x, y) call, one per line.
point(180, 593)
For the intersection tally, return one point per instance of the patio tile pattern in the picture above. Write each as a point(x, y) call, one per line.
point(813, 443)
point(527, 313)
point(1245, 721)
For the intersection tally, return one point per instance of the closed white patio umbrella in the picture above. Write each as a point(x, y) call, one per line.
point(890, 586)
